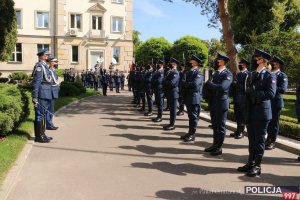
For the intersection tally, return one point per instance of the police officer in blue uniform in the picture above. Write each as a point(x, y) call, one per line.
point(157, 85)
point(171, 83)
point(260, 92)
point(41, 95)
point(140, 80)
point(240, 99)
point(192, 94)
point(182, 77)
point(117, 81)
point(53, 64)
point(298, 104)
point(219, 87)
point(277, 102)
point(104, 81)
point(148, 89)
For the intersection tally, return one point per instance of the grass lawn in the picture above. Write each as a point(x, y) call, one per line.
point(12, 145)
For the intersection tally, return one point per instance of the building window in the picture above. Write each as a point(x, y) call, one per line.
point(97, 23)
point(76, 21)
point(42, 19)
point(43, 46)
point(117, 1)
point(19, 19)
point(17, 53)
point(75, 53)
point(117, 24)
point(116, 55)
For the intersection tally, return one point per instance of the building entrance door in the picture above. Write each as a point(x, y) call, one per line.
point(97, 59)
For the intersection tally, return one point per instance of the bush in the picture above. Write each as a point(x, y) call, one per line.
point(79, 86)
point(68, 89)
point(4, 80)
point(18, 76)
point(11, 107)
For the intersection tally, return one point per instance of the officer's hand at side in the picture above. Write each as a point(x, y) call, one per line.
point(35, 101)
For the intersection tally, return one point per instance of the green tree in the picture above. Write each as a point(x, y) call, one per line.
point(8, 30)
point(153, 48)
point(257, 16)
point(285, 44)
point(136, 40)
point(186, 46)
point(214, 46)
point(217, 10)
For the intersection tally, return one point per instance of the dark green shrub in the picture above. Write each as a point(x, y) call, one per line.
point(68, 89)
point(18, 76)
point(11, 107)
point(79, 86)
point(4, 80)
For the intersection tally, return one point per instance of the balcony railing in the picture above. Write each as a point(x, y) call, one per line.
point(97, 34)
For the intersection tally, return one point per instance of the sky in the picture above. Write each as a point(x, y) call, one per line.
point(157, 18)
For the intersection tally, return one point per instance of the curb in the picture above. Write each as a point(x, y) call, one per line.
point(12, 176)
point(283, 143)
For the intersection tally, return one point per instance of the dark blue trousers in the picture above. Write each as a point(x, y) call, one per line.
point(193, 111)
point(273, 127)
point(41, 109)
point(49, 116)
point(159, 100)
point(218, 120)
point(257, 130)
point(173, 109)
point(149, 100)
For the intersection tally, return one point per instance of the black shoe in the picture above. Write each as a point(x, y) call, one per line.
point(190, 138)
point(141, 109)
point(210, 126)
point(180, 113)
point(270, 146)
point(233, 134)
point(254, 171)
point(169, 127)
point(211, 148)
point(48, 137)
point(246, 167)
point(41, 140)
point(216, 152)
point(52, 128)
point(148, 113)
point(238, 136)
point(157, 119)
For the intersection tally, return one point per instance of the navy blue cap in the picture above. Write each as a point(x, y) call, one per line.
point(174, 60)
point(222, 57)
point(52, 59)
point(160, 61)
point(195, 58)
point(244, 61)
point(277, 60)
point(43, 52)
point(261, 53)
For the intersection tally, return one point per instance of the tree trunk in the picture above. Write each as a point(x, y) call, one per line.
point(228, 34)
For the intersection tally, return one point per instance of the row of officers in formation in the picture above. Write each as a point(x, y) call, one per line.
point(258, 99)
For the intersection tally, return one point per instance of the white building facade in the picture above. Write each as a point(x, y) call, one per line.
point(78, 32)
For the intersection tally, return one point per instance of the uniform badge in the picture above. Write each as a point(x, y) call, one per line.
point(273, 81)
point(228, 78)
point(39, 69)
point(285, 79)
point(174, 75)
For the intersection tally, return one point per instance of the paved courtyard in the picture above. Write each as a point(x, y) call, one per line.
point(105, 149)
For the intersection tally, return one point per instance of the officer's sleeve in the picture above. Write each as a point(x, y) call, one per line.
point(175, 80)
point(196, 83)
point(282, 84)
point(36, 82)
point(270, 91)
point(223, 86)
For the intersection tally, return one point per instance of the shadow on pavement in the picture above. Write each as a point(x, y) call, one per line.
point(154, 150)
point(183, 169)
point(143, 137)
point(198, 193)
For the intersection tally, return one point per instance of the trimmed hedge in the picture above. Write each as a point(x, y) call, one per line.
point(12, 104)
point(18, 76)
point(288, 125)
point(71, 89)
